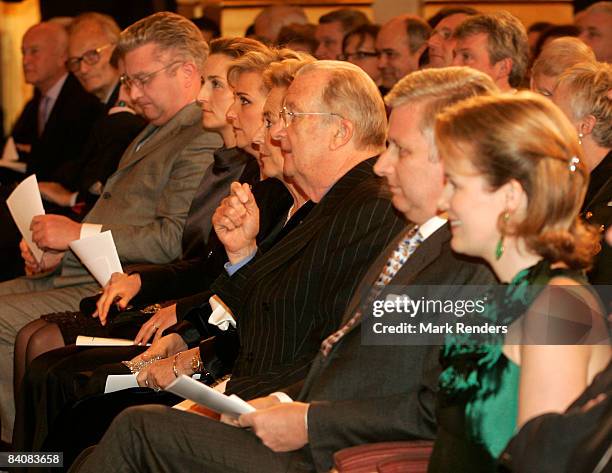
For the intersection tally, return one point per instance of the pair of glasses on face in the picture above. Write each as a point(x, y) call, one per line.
point(141, 81)
point(359, 55)
point(287, 116)
point(90, 58)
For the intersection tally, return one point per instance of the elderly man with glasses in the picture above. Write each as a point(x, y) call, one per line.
point(92, 39)
point(50, 134)
point(144, 202)
point(54, 125)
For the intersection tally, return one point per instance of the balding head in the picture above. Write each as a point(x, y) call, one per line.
point(44, 48)
point(400, 42)
point(271, 20)
point(596, 29)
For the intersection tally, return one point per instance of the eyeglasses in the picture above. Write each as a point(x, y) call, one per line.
point(360, 55)
point(90, 58)
point(287, 116)
point(144, 79)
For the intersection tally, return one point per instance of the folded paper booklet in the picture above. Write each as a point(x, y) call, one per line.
point(118, 382)
point(218, 402)
point(99, 255)
point(10, 157)
point(85, 341)
point(25, 203)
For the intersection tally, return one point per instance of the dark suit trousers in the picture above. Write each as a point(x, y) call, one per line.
point(157, 438)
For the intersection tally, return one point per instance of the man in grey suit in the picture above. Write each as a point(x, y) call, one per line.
point(354, 393)
point(144, 203)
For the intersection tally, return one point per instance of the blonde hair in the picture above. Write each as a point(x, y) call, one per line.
point(589, 91)
point(524, 137)
point(170, 33)
point(506, 38)
point(437, 89)
point(351, 93)
point(235, 47)
point(258, 61)
point(281, 74)
point(561, 54)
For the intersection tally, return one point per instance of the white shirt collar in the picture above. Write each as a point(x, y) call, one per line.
point(431, 226)
point(56, 88)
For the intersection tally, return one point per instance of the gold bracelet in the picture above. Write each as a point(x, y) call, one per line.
point(174, 361)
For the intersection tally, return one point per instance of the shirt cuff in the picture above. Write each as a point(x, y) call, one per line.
point(73, 199)
point(90, 229)
point(282, 397)
point(233, 268)
point(221, 315)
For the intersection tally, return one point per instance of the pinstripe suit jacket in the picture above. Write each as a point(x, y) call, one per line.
point(289, 298)
point(146, 200)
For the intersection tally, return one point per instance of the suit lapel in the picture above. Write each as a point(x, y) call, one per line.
point(319, 217)
point(425, 255)
point(184, 118)
point(370, 277)
point(290, 245)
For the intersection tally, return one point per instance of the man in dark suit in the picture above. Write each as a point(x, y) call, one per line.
point(92, 38)
point(54, 125)
point(354, 393)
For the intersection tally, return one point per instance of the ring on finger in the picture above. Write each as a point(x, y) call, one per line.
point(147, 383)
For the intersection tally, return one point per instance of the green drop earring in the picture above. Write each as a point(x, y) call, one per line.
point(499, 248)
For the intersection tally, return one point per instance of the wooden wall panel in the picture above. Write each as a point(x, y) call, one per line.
point(528, 12)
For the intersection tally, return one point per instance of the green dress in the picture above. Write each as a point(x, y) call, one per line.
point(478, 399)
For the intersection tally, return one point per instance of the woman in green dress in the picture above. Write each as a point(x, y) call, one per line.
point(515, 184)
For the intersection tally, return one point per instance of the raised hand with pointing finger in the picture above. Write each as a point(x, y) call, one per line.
point(236, 222)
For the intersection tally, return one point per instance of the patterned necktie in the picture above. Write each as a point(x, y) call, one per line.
point(397, 259)
point(42, 114)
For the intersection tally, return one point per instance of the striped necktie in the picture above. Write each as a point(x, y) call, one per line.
point(408, 245)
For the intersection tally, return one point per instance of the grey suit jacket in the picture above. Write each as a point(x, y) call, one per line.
point(146, 201)
point(363, 393)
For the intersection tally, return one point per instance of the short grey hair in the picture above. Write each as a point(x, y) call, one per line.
point(171, 33)
point(589, 88)
point(106, 24)
point(351, 93)
point(437, 89)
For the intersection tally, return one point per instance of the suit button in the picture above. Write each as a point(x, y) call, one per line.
point(106, 195)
